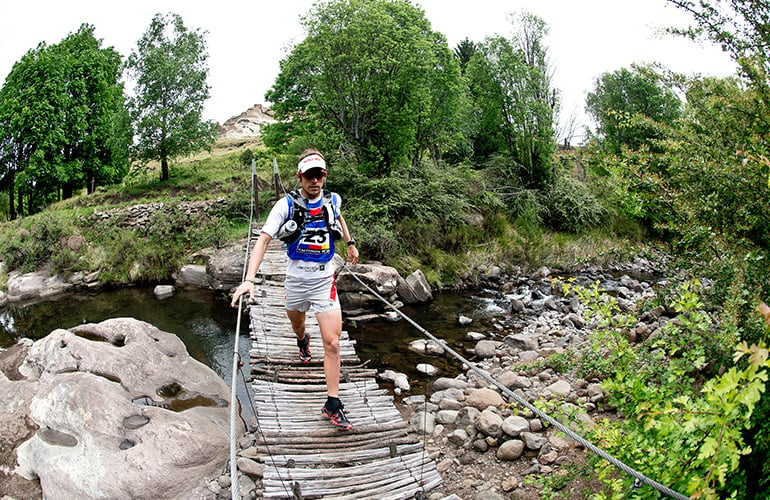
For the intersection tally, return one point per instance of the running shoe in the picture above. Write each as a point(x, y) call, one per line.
point(304, 349)
point(338, 418)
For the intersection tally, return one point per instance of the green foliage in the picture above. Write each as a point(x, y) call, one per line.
point(371, 79)
point(679, 427)
point(170, 72)
point(29, 246)
point(63, 125)
point(511, 88)
point(626, 104)
point(570, 206)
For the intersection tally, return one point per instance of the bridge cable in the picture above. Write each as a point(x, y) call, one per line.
point(486, 376)
point(234, 488)
point(236, 355)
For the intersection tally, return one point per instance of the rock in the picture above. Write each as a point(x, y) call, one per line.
point(522, 342)
point(442, 383)
point(446, 417)
point(426, 347)
point(122, 410)
point(486, 348)
point(250, 467)
point(482, 398)
point(399, 380)
point(423, 422)
point(515, 425)
point(489, 423)
point(247, 124)
point(193, 275)
point(510, 483)
point(35, 285)
point(559, 388)
point(513, 381)
point(450, 404)
point(163, 291)
point(533, 441)
point(467, 416)
point(458, 437)
point(427, 369)
point(475, 336)
point(3, 299)
point(414, 288)
point(464, 320)
point(225, 266)
point(510, 450)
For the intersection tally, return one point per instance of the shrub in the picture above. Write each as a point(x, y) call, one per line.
point(569, 206)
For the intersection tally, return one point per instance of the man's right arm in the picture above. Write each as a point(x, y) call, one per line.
point(255, 260)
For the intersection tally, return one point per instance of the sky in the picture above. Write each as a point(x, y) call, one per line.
point(247, 39)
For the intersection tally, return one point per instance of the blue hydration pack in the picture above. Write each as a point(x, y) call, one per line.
point(317, 227)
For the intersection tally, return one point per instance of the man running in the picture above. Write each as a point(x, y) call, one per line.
point(310, 278)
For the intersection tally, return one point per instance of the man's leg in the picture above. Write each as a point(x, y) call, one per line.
point(297, 319)
point(330, 324)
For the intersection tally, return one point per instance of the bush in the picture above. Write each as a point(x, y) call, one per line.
point(569, 206)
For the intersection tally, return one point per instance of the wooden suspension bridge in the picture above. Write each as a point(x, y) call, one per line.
point(304, 455)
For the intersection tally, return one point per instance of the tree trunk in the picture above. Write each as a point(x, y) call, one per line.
point(164, 169)
point(12, 195)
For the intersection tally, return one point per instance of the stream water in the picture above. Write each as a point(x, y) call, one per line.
point(206, 324)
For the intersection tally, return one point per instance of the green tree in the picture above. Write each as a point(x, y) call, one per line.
point(60, 121)
point(740, 28)
point(510, 84)
point(370, 79)
point(464, 52)
point(623, 103)
point(170, 69)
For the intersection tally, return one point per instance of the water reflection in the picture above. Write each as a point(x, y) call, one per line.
point(205, 323)
point(203, 320)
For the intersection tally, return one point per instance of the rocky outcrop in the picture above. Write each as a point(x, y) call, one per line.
point(247, 124)
point(112, 410)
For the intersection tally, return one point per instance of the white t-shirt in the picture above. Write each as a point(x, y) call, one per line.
point(298, 268)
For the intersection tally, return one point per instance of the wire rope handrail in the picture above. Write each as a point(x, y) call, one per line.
point(638, 476)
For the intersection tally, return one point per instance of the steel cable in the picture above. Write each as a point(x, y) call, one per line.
point(601, 453)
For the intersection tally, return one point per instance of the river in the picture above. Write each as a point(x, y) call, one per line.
point(206, 324)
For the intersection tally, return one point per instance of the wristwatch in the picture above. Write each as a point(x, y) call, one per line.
point(351, 242)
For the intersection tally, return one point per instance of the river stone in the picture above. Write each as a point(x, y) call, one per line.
point(489, 423)
point(399, 380)
point(427, 369)
point(486, 348)
point(559, 388)
point(515, 425)
point(225, 266)
point(34, 285)
point(194, 275)
point(467, 416)
point(108, 397)
point(510, 450)
point(533, 441)
point(522, 342)
point(442, 383)
point(425, 347)
point(446, 416)
point(481, 398)
point(424, 422)
point(163, 291)
point(414, 288)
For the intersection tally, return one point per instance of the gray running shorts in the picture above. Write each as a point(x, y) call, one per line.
point(318, 293)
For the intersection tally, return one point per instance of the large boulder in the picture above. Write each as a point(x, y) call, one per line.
point(35, 285)
point(414, 288)
point(118, 410)
point(225, 267)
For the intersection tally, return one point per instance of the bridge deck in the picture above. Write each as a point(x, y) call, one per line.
point(304, 456)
